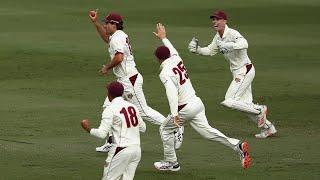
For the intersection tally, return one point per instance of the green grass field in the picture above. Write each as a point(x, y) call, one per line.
point(50, 55)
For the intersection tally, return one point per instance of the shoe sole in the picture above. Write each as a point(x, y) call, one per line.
point(246, 161)
point(179, 144)
point(262, 121)
point(174, 170)
point(268, 135)
point(102, 151)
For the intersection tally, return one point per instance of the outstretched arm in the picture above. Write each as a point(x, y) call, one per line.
point(93, 15)
point(104, 128)
point(162, 35)
point(211, 49)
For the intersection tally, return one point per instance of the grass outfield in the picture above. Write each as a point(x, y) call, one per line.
point(50, 55)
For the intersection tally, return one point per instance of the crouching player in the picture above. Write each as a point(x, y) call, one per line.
point(185, 106)
point(123, 120)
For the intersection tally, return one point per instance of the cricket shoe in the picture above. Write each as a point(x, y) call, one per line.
point(178, 137)
point(243, 149)
point(262, 116)
point(167, 166)
point(266, 132)
point(104, 148)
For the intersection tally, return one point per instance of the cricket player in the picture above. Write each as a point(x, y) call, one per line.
point(234, 47)
point(185, 106)
point(123, 120)
point(124, 68)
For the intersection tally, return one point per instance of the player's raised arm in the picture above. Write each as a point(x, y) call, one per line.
point(93, 15)
point(162, 35)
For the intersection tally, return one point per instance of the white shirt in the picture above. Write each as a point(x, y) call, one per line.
point(122, 119)
point(119, 43)
point(238, 56)
point(175, 78)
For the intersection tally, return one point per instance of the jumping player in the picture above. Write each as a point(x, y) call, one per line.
point(234, 47)
point(124, 68)
point(185, 106)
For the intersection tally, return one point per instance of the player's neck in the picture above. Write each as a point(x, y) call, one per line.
point(222, 31)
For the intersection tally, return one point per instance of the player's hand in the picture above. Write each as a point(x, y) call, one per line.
point(177, 121)
point(193, 45)
point(93, 15)
point(161, 31)
point(85, 125)
point(104, 70)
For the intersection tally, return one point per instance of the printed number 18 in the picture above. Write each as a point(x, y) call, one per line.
point(130, 115)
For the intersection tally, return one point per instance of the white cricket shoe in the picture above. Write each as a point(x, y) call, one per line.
point(266, 132)
point(167, 166)
point(178, 137)
point(104, 148)
point(262, 116)
point(243, 149)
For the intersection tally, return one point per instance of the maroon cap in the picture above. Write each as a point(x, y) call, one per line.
point(219, 15)
point(115, 89)
point(113, 18)
point(162, 53)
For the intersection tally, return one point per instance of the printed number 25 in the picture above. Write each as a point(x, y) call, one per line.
point(130, 115)
point(182, 71)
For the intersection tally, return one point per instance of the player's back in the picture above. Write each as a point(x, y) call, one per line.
point(174, 69)
point(126, 123)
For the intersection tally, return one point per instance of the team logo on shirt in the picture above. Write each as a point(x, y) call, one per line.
point(130, 96)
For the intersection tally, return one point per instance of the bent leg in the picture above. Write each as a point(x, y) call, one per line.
point(201, 125)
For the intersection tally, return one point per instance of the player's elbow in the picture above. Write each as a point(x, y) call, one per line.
point(227, 102)
point(118, 57)
point(98, 133)
point(243, 44)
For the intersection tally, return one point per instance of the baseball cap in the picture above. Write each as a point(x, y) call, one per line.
point(113, 18)
point(219, 15)
point(115, 89)
point(162, 53)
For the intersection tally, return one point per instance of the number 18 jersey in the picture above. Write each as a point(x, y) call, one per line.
point(122, 119)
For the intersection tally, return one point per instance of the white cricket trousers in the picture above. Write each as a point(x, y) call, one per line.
point(122, 165)
point(193, 112)
point(133, 93)
point(239, 93)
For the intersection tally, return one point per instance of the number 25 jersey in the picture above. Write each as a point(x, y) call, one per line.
point(175, 78)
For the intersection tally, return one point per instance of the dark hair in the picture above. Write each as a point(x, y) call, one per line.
point(118, 25)
point(115, 89)
point(162, 53)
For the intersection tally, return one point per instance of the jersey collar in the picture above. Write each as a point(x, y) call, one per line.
point(164, 63)
point(117, 99)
